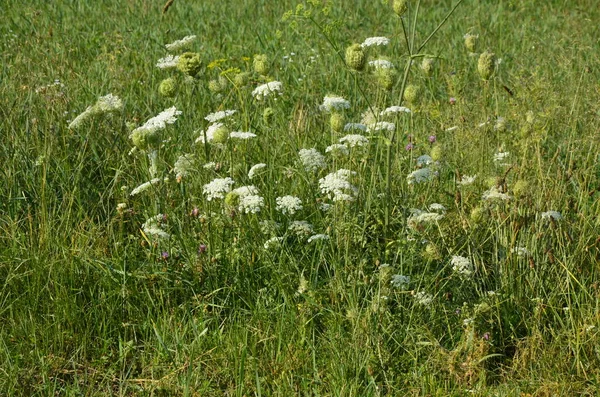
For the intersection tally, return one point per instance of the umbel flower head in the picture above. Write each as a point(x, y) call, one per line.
point(471, 42)
point(411, 93)
point(189, 63)
point(105, 104)
point(167, 88)
point(486, 65)
point(261, 64)
point(400, 7)
point(147, 134)
point(180, 44)
point(355, 57)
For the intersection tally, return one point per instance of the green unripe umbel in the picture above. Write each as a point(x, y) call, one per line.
point(232, 199)
point(436, 153)
point(337, 121)
point(471, 42)
point(400, 7)
point(427, 66)
point(221, 135)
point(356, 57)
point(189, 63)
point(486, 64)
point(261, 64)
point(241, 79)
point(268, 115)
point(477, 215)
point(143, 139)
point(411, 93)
point(521, 188)
point(386, 77)
point(167, 88)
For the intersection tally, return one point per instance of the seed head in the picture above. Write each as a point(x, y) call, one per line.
point(337, 122)
point(167, 88)
point(400, 7)
point(355, 57)
point(261, 64)
point(189, 63)
point(411, 93)
point(486, 64)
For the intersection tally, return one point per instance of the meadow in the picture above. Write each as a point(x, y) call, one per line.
point(328, 198)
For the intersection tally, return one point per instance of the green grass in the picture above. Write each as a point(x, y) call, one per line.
point(89, 305)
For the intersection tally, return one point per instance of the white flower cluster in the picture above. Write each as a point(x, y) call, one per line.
point(337, 186)
point(154, 227)
point(418, 218)
point(273, 242)
point(337, 149)
point(424, 160)
point(421, 175)
point(251, 204)
point(375, 41)
point(466, 180)
point(355, 126)
point(300, 228)
point(423, 298)
point(311, 159)
point(500, 156)
point(381, 64)
point(183, 165)
point(520, 251)
point(180, 44)
point(354, 140)
point(208, 136)
point(255, 169)
point(395, 110)
point(288, 204)
point(144, 186)
point(462, 265)
point(168, 62)
point(317, 237)
point(214, 117)
point(242, 135)
point(218, 188)
point(105, 104)
point(267, 89)
point(400, 281)
point(551, 215)
point(495, 193)
point(334, 103)
point(158, 122)
point(381, 125)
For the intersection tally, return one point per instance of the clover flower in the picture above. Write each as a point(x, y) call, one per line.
point(311, 159)
point(218, 188)
point(288, 204)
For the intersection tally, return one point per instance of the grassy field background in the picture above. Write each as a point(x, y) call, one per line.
point(91, 305)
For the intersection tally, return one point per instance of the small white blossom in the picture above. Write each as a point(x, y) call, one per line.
point(421, 175)
point(424, 160)
point(144, 186)
point(381, 64)
point(180, 44)
point(462, 265)
point(168, 62)
point(251, 204)
point(337, 149)
point(399, 281)
point(453, 128)
point(108, 103)
point(312, 160)
point(355, 126)
point(418, 218)
point(437, 207)
point(381, 125)
point(255, 169)
point(214, 117)
point(422, 298)
point(160, 121)
point(288, 204)
point(245, 191)
point(210, 132)
point(154, 227)
point(301, 228)
point(267, 89)
point(520, 251)
point(218, 188)
point(242, 135)
point(395, 110)
point(337, 186)
point(183, 165)
point(494, 193)
point(317, 237)
point(211, 165)
point(334, 103)
point(354, 140)
point(324, 207)
point(500, 156)
point(375, 41)
point(552, 215)
point(466, 180)
point(273, 242)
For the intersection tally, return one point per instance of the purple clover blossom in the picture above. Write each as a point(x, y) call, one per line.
point(410, 146)
point(432, 139)
point(164, 255)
